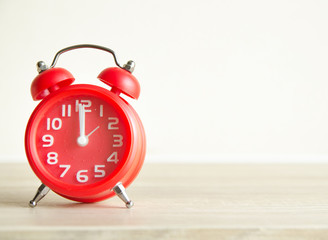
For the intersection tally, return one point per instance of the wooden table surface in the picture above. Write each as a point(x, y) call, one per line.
point(178, 201)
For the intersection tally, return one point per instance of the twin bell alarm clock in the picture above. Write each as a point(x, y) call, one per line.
point(84, 142)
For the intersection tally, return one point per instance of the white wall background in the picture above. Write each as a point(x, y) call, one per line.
point(220, 80)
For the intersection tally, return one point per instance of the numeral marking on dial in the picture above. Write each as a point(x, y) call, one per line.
point(54, 124)
point(100, 172)
point(52, 158)
point(48, 139)
point(86, 103)
point(66, 110)
point(101, 110)
point(112, 122)
point(113, 158)
point(67, 167)
point(118, 140)
point(81, 177)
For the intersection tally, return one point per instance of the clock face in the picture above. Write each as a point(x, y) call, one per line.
point(79, 137)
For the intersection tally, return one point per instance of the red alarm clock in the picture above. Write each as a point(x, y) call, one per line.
point(84, 142)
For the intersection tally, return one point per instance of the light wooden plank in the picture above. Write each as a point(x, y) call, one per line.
point(178, 201)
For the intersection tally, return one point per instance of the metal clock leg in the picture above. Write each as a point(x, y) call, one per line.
point(40, 193)
point(121, 193)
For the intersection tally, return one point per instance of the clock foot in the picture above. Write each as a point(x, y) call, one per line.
point(121, 193)
point(40, 193)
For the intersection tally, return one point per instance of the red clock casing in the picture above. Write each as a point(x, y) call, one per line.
point(115, 151)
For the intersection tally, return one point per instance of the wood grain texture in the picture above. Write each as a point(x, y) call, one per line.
point(178, 201)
